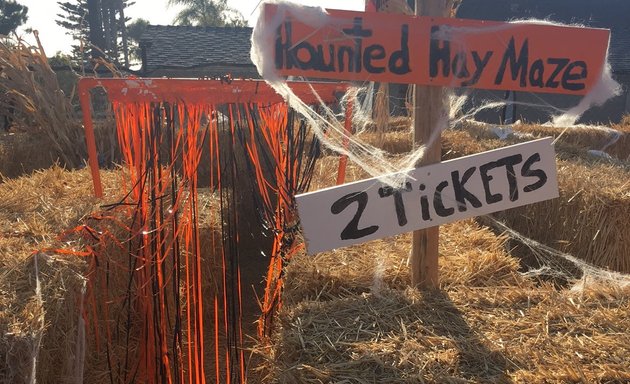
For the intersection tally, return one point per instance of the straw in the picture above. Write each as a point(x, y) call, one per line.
point(347, 317)
point(33, 210)
point(589, 217)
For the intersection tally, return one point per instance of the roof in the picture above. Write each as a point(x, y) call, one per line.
point(610, 14)
point(204, 49)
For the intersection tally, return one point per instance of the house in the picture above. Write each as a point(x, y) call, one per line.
point(186, 51)
point(610, 14)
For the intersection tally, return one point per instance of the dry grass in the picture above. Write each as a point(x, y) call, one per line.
point(574, 141)
point(30, 87)
point(589, 218)
point(495, 334)
point(349, 318)
point(33, 211)
point(32, 95)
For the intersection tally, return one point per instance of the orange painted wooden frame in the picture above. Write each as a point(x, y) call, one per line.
point(191, 91)
point(396, 48)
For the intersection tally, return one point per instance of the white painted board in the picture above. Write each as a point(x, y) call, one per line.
point(440, 193)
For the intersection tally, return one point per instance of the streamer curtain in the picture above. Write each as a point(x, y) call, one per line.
point(173, 322)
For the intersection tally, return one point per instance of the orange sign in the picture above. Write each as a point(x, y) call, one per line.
point(396, 48)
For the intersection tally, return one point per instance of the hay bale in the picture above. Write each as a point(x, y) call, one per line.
point(43, 333)
point(395, 142)
point(589, 218)
point(22, 153)
point(351, 270)
point(613, 141)
point(577, 140)
point(348, 316)
point(33, 210)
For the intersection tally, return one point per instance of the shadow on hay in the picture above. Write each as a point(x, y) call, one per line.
point(424, 337)
point(476, 360)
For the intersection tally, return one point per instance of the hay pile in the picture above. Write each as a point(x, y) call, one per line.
point(576, 141)
point(44, 327)
point(347, 317)
point(573, 142)
point(22, 153)
point(590, 218)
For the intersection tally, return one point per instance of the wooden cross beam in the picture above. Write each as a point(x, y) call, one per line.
point(207, 91)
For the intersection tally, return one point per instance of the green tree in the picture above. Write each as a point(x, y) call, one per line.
point(12, 15)
point(60, 60)
point(135, 29)
point(207, 13)
point(99, 27)
point(67, 78)
point(95, 27)
point(73, 19)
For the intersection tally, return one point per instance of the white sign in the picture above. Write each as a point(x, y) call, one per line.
point(469, 186)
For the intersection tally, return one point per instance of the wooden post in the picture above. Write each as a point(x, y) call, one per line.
point(428, 109)
point(86, 107)
point(343, 160)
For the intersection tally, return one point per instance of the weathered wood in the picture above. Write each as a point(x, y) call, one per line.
point(429, 108)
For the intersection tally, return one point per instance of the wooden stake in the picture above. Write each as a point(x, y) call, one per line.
point(428, 109)
point(343, 160)
point(86, 107)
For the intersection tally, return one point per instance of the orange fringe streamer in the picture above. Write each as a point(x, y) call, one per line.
point(174, 322)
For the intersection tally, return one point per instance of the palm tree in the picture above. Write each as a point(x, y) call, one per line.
point(207, 13)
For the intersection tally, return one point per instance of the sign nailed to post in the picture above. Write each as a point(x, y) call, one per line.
point(436, 194)
point(446, 52)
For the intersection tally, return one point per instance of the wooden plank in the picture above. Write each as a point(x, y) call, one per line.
point(210, 91)
point(429, 196)
point(428, 110)
point(395, 48)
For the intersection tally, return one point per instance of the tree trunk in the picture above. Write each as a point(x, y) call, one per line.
point(112, 8)
point(97, 38)
point(123, 31)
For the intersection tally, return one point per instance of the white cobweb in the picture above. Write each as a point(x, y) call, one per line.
point(561, 265)
point(328, 124)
